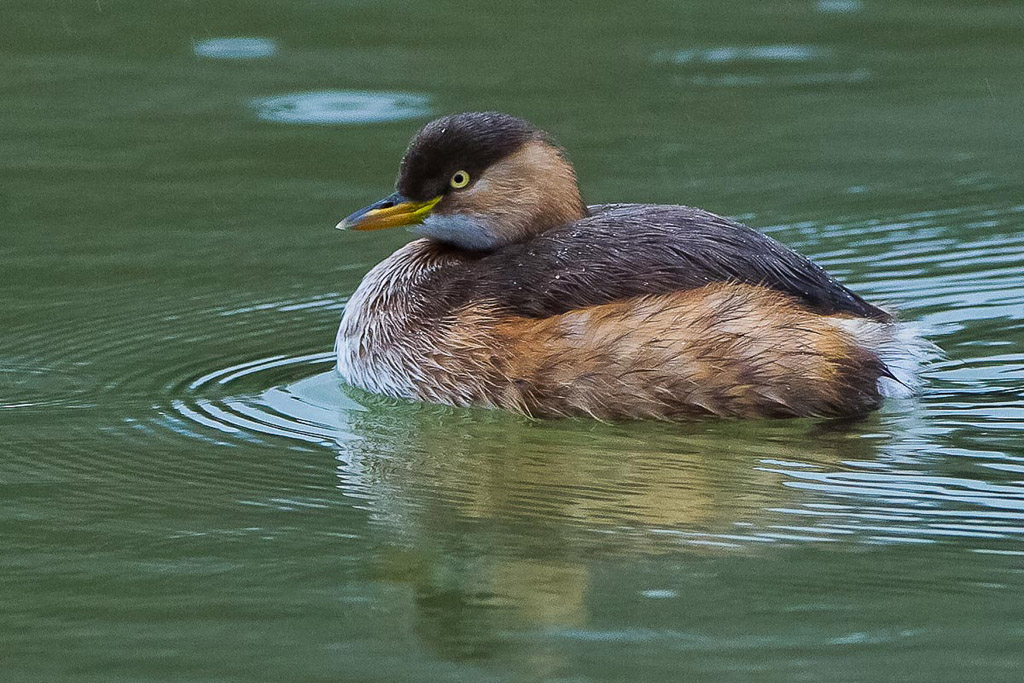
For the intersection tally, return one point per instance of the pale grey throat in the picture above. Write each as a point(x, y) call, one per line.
point(461, 230)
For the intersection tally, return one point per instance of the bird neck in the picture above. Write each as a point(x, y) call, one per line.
point(545, 187)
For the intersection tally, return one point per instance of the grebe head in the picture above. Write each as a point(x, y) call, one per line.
point(478, 181)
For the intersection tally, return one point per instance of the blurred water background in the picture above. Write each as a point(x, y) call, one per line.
point(189, 494)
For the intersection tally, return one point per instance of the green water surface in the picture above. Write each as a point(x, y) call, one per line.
point(187, 493)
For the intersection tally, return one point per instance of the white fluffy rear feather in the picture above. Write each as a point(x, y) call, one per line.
point(901, 346)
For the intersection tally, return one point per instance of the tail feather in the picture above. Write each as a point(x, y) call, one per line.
point(901, 346)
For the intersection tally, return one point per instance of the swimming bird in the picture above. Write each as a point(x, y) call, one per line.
point(518, 295)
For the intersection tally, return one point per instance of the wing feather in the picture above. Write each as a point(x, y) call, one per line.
point(626, 250)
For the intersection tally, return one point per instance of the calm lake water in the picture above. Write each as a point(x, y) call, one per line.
point(189, 494)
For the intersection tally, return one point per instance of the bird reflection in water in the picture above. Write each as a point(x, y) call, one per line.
point(498, 525)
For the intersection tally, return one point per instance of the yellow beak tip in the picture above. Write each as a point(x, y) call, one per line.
point(389, 213)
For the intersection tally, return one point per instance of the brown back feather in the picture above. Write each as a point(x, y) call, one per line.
point(628, 250)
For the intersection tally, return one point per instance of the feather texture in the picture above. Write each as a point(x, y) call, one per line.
point(727, 349)
point(628, 250)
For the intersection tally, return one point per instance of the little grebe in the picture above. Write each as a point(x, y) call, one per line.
point(521, 296)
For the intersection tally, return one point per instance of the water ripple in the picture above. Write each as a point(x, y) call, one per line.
point(235, 48)
point(757, 53)
point(840, 6)
point(341, 107)
point(761, 65)
point(944, 469)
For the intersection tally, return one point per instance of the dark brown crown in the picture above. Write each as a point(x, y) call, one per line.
point(462, 142)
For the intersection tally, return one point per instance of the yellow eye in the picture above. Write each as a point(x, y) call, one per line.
point(459, 180)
